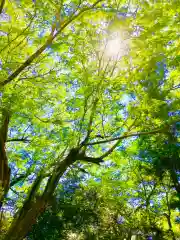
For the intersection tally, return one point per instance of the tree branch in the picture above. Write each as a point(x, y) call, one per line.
point(18, 179)
point(125, 136)
point(148, 198)
point(19, 140)
point(92, 160)
point(2, 5)
point(14, 192)
point(82, 156)
point(162, 130)
point(111, 149)
point(21, 33)
point(90, 122)
point(43, 47)
point(26, 63)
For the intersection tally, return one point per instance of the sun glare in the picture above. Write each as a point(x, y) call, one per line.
point(116, 46)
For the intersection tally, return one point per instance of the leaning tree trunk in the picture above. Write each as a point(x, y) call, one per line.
point(33, 207)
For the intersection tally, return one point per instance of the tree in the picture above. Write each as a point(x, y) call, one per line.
point(70, 99)
point(113, 206)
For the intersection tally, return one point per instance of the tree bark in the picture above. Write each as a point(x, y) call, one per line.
point(2, 5)
point(32, 207)
point(27, 216)
point(4, 168)
point(31, 210)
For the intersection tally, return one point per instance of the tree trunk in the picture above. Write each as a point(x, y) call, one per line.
point(33, 206)
point(20, 227)
point(27, 216)
point(4, 168)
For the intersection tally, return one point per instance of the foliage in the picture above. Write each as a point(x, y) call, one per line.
point(108, 208)
point(89, 94)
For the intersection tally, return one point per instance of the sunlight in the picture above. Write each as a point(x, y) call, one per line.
point(116, 46)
